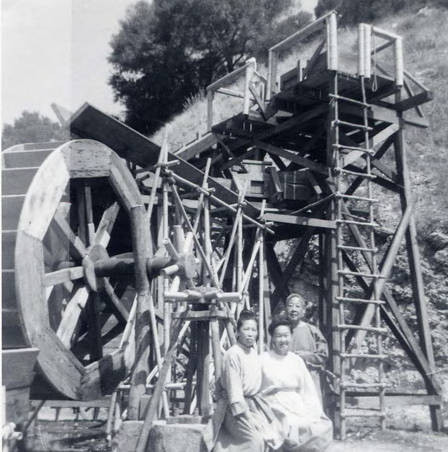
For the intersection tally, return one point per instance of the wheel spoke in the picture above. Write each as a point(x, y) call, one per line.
point(70, 318)
point(106, 225)
point(64, 228)
point(89, 214)
point(94, 329)
point(117, 305)
point(63, 275)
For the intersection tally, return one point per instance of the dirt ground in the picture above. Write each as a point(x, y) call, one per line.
point(85, 436)
point(409, 430)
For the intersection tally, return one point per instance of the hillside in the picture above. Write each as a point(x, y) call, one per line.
point(426, 57)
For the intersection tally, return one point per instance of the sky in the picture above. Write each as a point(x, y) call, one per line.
point(56, 51)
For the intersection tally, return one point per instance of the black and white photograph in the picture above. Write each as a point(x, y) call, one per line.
point(224, 225)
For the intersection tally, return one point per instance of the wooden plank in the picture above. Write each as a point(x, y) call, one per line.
point(284, 126)
point(98, 403)
point(87, 158)
point(70, 317)
point(8, 249)
point(17, 406)
point(103, 376)
point(375, 141)
point(197, 147)
point(302, 161)
point(46, 191)
point(394, 400)
point(25, 159)
point(300, 221)
point(11, 208)
point(413, 101)
point(124, 185)
point(15, 181)
point(89, 122)
point(8, 290)
point(18, 367)
point(12, 334)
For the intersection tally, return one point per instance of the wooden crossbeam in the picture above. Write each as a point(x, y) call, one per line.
point(292, 157)
point(284, 126)
point(300, 221)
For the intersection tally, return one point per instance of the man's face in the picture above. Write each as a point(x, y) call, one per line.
point(295, 309)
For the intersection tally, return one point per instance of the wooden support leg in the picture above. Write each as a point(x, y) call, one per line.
point(414, 263)
point(203, 375)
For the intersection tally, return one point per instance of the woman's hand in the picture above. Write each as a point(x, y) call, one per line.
point(270, 390)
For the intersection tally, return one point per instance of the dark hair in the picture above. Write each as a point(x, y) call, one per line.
point(245, 315)
point(295, 295)
point(280, 320)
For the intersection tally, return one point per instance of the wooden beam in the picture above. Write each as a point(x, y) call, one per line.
point(293, 157)
point(204, 143)
point(286, 125)
point(300, 221)
point(414, 101)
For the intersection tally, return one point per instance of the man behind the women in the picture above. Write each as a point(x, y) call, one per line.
point(307, 340)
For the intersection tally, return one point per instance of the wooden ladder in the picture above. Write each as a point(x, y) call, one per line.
point(367, 335)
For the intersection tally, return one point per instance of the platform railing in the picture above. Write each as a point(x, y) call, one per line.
point(326, 23)
point(251, 93)
point(368, 51)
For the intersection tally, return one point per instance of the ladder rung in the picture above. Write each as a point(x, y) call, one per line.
point(348, 384)
point(360, 300)
point(353, 148)
point(365, 275)
point(362, 355)
point(352, 124)
point(355, 173)
point(357, 248)
point(357, 198)
point(372, 329)
point(359, 223)
point(348, 99)
point(363, 413)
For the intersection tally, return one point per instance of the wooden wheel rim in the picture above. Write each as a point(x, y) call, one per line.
point(73, 160)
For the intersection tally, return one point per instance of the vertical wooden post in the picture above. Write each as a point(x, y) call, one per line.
point(361, 50)
point(272, 73)
point(332, 42)
point(414, 262)
point(367, 50)
point(139, 228)
point(251, 66)
point(331, 255)
point(398, 53)
point(261, 295)
point(210, 96)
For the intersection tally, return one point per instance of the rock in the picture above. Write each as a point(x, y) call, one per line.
point(438, 240)
point(162, 437)
point(441, 257)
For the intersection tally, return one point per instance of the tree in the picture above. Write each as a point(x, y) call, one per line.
point(167, 51)
point(355, 11)
point(31, 127)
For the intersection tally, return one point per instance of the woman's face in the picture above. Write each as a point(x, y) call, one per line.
point(280, 340)
point(295, 309)
point(247, 333)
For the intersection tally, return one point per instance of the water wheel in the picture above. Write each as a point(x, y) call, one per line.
point(74, 267)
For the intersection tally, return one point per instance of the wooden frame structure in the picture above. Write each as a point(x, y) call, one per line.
point(302, 160)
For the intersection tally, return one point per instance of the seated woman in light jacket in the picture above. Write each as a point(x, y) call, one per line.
point(242, 417)
point(291, 394)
